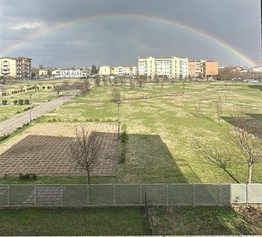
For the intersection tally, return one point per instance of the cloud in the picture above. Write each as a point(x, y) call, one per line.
point(29, 26)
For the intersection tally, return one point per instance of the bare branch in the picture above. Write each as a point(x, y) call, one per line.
point(85, 149)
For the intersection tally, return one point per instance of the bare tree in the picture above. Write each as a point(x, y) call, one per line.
point(198, 109)
point(219, 108)
point(246, 135)
point(85, 149)
point(85, 86)
point(97, 80)
point(115, 95)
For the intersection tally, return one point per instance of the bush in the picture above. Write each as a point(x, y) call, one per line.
point(27, 102)
point(4, 137)
point(122, 158)
point(20, 102)
point(4, 102)
point(15, 102)
point(27, 176)
point(123, 137)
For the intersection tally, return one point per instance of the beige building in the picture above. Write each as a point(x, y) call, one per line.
point(104, 71)
point(127, 70)
point(43, 73)
point(210, 69)
point(17, 68)
point(195, 68)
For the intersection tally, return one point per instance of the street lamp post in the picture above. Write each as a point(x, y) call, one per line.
point(30, 115)
point(118, 128)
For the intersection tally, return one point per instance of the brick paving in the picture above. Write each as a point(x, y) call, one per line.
point(43, 149)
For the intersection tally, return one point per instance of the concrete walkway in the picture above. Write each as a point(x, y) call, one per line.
point(10, 125)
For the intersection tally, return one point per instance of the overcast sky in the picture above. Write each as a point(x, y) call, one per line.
point(69, 33)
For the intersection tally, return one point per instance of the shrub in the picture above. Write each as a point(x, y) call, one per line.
point(123, 137)
point(15, 102)
point(27, 102)
point(122, 158)
point(4, 137)
point(27, 176)
point(20, 102)
point(4, 102)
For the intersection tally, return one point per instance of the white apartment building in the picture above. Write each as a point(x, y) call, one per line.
point(152, 67)
point(183, 67)
point(68, 73)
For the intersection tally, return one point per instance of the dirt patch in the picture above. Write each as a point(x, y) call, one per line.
point(43, 150)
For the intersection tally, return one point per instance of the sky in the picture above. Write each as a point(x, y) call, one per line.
point(77, 33)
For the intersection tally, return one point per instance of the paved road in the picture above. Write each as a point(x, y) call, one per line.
point(10, 125)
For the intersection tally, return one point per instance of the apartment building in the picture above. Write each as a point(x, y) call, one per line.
point(183, 67)
point(176, 67)
point(195, 68)
point(71, 73)
point(17, 68)
point(152, 67)
point(210, 69)
point(104, 70)
point(126, 70)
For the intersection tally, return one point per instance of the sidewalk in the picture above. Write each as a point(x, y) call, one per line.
point(10, 125)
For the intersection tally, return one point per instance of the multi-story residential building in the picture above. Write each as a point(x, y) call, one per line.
point(16, 68)
point(195, 68)
point(176, 67)
point(159, 66)
point(104, 71)
point(129, 70)
point(183, 67)
point(126, 70)
point(71, 73)
point(24, 68)
point(210, 69)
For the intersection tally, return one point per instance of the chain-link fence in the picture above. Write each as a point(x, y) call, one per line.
point(129, 194)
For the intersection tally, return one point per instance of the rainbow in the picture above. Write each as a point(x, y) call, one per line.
point(150, 18)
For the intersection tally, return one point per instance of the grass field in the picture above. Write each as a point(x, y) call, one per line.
point(73, 222)
point(162, 129)
point(239, 220)
point(42, 91)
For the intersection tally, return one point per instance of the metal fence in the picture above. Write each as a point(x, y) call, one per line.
point(129, 194)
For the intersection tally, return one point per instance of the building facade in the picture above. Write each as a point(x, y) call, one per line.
point(210, 69)
point(161, 67)
point(16, 68)
point(126, 70)
point(176, 67)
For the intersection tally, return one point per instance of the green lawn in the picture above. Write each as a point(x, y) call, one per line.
point(43, 92)
point(163, 128)
point(73, 222)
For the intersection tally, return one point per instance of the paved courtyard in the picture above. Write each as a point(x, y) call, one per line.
point(43, 149)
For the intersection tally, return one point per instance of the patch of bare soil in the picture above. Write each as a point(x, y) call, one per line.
point(43, 149)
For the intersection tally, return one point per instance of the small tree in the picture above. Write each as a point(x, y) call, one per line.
point(94, 70)
point(85, 149)
point(247, 136)
point(115, 95)
point(97, 80)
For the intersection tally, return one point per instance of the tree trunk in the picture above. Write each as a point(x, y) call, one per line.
point(88, 177)
point(250, 166)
